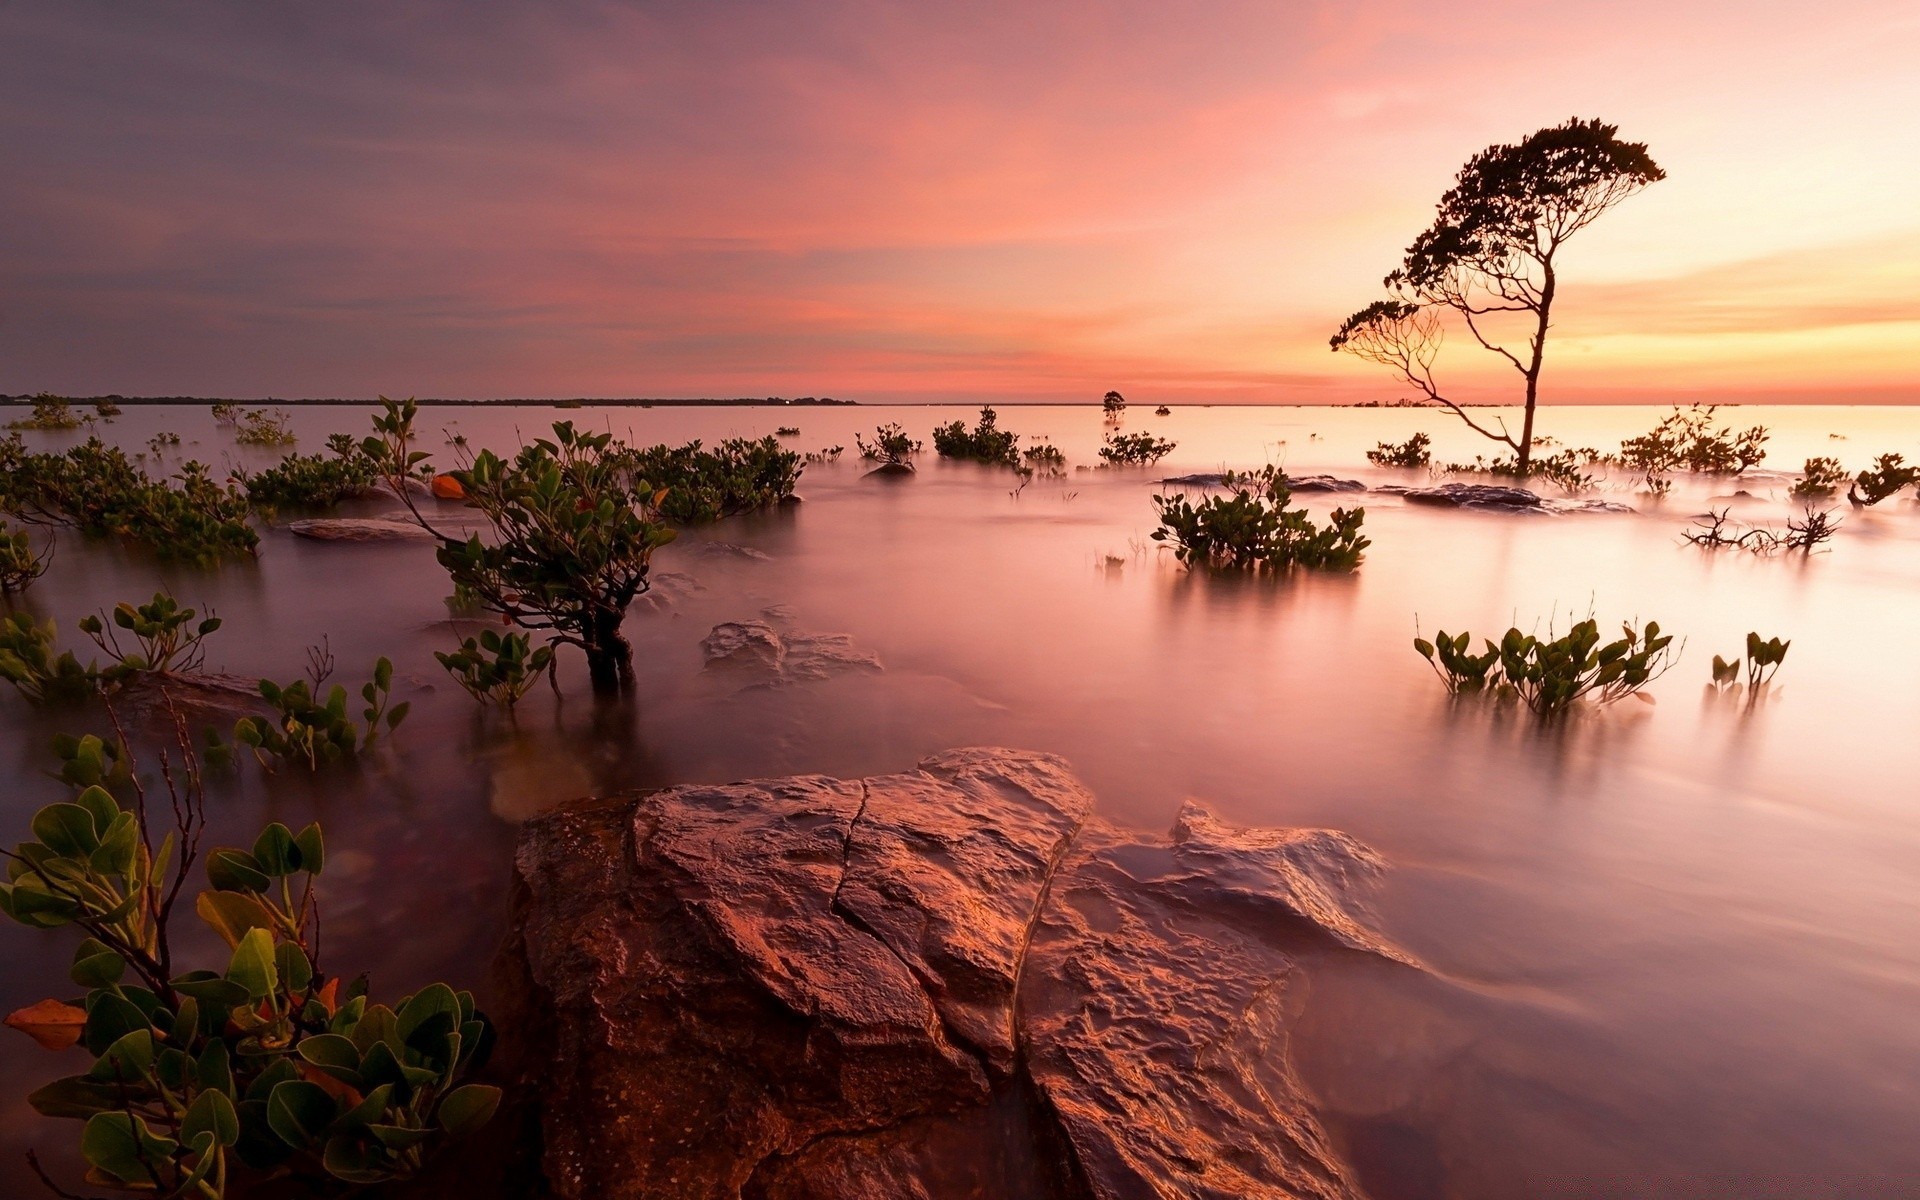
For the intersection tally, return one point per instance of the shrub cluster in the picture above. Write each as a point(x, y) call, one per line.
point(890, 445)
point(1253, 529)
point(1134, 449)
point(50, 413)
point(695, 486)
point(98, 490)
point(1414, 452)
point(1550, 674)
point(305, 482)
point(986, 442)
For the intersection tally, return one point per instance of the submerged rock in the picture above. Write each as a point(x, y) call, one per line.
point(1473, 495)
point(358, 529)
point(773, 655)
point(948, 982)
point(892, 470)
point(1298, 483)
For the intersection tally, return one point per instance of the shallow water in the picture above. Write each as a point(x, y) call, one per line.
point(1674, 949)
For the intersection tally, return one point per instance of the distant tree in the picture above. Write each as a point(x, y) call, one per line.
point(1113, 404)
point(1490, 256)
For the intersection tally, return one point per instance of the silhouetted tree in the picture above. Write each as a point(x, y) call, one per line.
point(1113, 404)
point(1490, 252)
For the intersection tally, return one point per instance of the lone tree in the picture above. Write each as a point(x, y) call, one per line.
point(1113, 404)
point(1490, 257)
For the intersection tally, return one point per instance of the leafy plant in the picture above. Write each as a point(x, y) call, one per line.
point(497, 668)
point(1253, 529)
point(827, 455)
point(890, 445)
point(695, 486)
point(310, 482)
point(106, 409)
point(1113, 404)
point(226, 413)
point(163, 441)
point(787, 431)
point(985, 442)
point(573, 535)
point(1762, 659)
point(31, 661)
point(98, 490)
point(20, 562)
point(1889, 474)
point(1163, 411)
point(306, 730)
point(1689, 439)
point(165, 638)
point(1550, 675)
point(1134, 449)
point(1820, 477)
point(50, 413)
point(1044, 458)
point(263, 427)
point(1414, 452)
point(1462, 672)
point(204, 1081)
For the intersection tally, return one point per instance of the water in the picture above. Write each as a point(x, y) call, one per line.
point(1674, 949)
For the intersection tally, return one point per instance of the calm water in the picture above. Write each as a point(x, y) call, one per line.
point(1674, 948)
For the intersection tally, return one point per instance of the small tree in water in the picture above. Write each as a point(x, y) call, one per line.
point(1490, 257)
point(574, 531)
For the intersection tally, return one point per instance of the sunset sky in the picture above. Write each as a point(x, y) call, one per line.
point(1005, 200)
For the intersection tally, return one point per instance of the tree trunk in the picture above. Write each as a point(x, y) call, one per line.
point(609, 657)
point(1533, 368)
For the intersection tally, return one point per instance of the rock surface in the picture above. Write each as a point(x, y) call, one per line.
point(768, 656)
point(1298, 483)
point(358, 529)
point(1473, 495)
point(949, 982)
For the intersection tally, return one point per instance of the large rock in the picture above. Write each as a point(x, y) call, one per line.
point(1473, 495)
point(358, 529)
point(946, 983)
point(764, 655)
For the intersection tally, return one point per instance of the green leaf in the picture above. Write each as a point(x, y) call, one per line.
point(252, 965)
point(96, 966)
point(466, 1108)
point(299, 1112)
point(275, 851)
point(313, 849)
point(231, 870)
point(111, 1144)
point(127, 1060)
point(211, 1112)
point(76, 1097)
point(67, 830)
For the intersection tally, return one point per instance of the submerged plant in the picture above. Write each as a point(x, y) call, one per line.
point(1550, 675)
point(206, 1081)
point(50, 413)
point(98, 490)
point(311, 482)
point(1820, 477)
point(695, 486)
point(497, 668)
point(1253, 529)
point(1043, 458)
point(31, 660)
point(890, 445)
point(20, 562)
point(1134, 449)
point(1414, 452)
point(165, 638)
point(308, 731)
point(1889, 474)
point(1689, 439)
point(263, 427)
point(1763, 657)
point(1717, 530)
point(1112, 405)
point(986, 442)
point(573, 531)
point(787, 431)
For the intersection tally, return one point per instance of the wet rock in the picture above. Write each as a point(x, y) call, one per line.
point(892, 470)
point(1591, 506)
point(769, 656)
point(728, 550)
point(666, 590)
point(358, 529)
point(198, 696)
point(1474, 495)
point(1324, 483)
point(949, 982)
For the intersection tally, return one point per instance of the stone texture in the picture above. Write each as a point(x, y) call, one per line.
point(358, 529)
point(1473, 495)
point(949, 982)
point(766, 656)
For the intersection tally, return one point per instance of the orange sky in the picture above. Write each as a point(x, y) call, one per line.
point(1016, 201)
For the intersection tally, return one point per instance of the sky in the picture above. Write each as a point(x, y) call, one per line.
point(1006, 200)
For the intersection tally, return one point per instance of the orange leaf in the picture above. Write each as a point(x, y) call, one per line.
point(54, 1025)
point(328, 995)
point(338, 1089)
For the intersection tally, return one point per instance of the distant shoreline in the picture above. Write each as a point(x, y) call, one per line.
point(438, 402)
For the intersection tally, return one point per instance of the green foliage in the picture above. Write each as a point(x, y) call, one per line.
point(574, 529)
point(1820, 477)
point(1763, 657)
point(1414, 452)
point(827, 455)
point(985, 442)
point(1889, 474)
point(225, 413)
point(263, 427)
point(312, 732)
point(98, 490)
point(890, 444)
point(1550, 675)
point(31, 661)
point(1253, 529)
point(205, 1081)
point(1689, 439)
point(1134, 449)
point(163, 441)
point(50, 413)
point(20, 562)
point(694, 486)
point(165, 637)
point(497, 668)
point(1567, 469)
point(308, 482)
point(106, 408)
point(1044, 458)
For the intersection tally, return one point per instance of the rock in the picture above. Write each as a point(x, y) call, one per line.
point(667, 589)
point(772, 656)
point(949, 982)
point(1324, 483)
point(199, 696)
point(892, 470)
point(358, 529)
point(446, 487)
point(1591, 506)
point(1474, 495)
point(728, 550)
